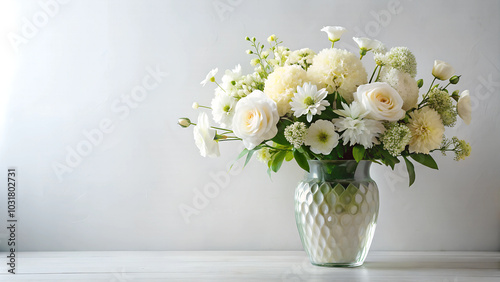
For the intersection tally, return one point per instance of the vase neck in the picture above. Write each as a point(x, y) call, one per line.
point(339, 170)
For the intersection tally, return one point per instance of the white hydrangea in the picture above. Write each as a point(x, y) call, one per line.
point(403, 83)
point(336, 69)
point(281, 85)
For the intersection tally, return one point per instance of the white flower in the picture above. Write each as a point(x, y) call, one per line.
point(367, 43)
point(334, 32)
point(442, 70)
point(255, 119)
point(381, 101)
point(210, 76)
point(321, 137)
point(426, 131)
point(195, 105)
point(336, 69)
point(309, 100)
point(356, 129)
point(223, 109)
point(282, 84)
point(231, 75)
point(464, 108)
point(403, 83)
point(303, 57)
point(204, 137)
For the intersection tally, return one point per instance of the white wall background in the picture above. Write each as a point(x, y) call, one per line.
point(69, 72)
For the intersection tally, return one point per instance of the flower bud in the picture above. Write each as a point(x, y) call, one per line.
point(454, 79)
point(455, 95)
point(271, 38)
point(420, 83)
point(247, 38)
point(195, 105)
point(442, 70)
point(249, 52)
point(253, 39)
point(184, 122)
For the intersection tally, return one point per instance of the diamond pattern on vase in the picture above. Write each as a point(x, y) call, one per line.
point(336, 220)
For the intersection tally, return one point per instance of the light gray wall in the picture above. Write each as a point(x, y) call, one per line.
point(69, 73)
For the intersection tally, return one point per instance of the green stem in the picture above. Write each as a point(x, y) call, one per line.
point(374, 70)
point(333, 43)
point(220, 86)
point(378, 74)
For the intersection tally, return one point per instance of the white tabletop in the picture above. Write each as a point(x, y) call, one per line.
point(250, 266)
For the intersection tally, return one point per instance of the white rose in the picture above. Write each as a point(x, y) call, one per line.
point(442, 70)
point(204, 137)
point(255, 119)
point(464, 108)
point(381, 101)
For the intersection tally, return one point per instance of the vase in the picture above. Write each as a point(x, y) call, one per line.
point(336, 209)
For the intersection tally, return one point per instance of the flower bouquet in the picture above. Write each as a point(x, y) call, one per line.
point(305, 106)
point(325, 111)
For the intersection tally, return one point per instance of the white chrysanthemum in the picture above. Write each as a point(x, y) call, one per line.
point(303, 57)
point(404, 84)
point(321, 137)
point(357, 130)
point(427, 130)
point(204, 137)
point(282, 84)
point(210, 76)
point(336, 69)
point(309, 101)
point(223, 109)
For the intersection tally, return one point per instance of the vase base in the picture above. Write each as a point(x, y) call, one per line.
point(342, 264)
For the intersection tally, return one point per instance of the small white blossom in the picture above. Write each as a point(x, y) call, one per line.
point(321, 137)
point(204, 137)
point(210, 77)
point(296, 133)
point(309, 101)
point(367, 44)
point(464, 108)
point(334, 32)
point(223, 109)
point(442, 70)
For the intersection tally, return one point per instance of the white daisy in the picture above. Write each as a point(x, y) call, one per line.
point(223, 109)
point(321, 137)
point(309, 100)
point(210, 76)
point(356, 129)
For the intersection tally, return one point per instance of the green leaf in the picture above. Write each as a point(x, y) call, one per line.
point(411, 170)
point(301, 160)
point(249, 156)
point(278, 160)
point(389, 159)
point(244, 152)
point(289, 156)
point(280, 136)
point(425, 159)
point(358, 152)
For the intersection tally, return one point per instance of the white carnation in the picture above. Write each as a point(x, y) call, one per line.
point(336, 69)
point(282, 84)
